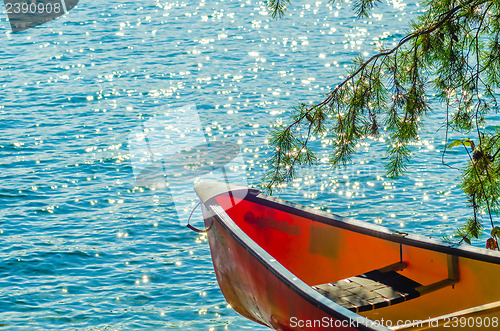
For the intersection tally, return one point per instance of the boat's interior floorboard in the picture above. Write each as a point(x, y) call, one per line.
point(383, 287)
point(371, 290)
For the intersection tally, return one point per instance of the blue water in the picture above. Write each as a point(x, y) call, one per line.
point(82, 245)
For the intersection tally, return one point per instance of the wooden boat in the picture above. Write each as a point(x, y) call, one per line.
point(291, 267)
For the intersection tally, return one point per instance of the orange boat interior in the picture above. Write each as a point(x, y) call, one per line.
point(322, 254)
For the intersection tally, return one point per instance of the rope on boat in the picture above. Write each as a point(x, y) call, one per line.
point(192, 227)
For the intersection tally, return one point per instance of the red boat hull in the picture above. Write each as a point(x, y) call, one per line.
point(271, 257)
point(257, 293)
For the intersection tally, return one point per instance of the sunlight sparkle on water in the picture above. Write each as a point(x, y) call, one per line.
point(244, 70)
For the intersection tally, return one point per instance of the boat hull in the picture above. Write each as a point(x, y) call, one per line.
point(273, 258)
point(257, 293)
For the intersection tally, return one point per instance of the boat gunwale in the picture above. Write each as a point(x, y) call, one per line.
point(286, 276)
point(378, 231)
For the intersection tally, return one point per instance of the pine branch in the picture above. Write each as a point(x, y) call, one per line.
point(277, 7)
point(363, 8)
point(456, 43)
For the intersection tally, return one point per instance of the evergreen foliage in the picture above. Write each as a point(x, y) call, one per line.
point(452, 49)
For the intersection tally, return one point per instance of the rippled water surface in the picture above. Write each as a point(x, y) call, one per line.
point(82, 245)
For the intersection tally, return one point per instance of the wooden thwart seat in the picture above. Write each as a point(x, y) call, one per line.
point(382, 287)
point(371, 290)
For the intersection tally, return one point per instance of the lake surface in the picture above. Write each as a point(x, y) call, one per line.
point(83, 246)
